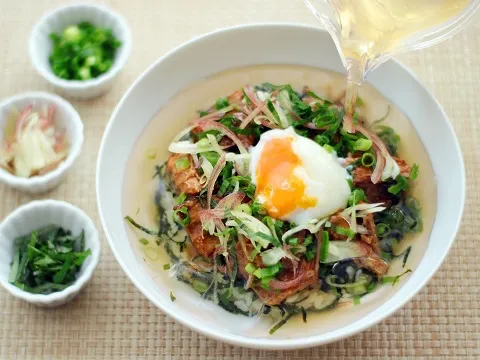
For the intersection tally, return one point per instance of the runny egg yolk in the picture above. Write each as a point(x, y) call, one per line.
point(282, 191)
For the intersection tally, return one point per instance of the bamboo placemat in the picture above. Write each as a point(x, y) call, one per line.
point(111, 319)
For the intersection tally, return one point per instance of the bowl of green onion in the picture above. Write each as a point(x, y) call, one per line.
point(80, 49)
point(48, 252)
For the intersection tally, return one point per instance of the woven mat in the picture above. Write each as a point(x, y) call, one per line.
point(111, 319)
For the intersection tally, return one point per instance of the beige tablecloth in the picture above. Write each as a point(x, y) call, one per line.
point(112, 319)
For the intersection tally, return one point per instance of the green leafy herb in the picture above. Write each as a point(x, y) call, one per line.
point(394, 279)
point(83, 52)
point(166, 266)
point(47, 260)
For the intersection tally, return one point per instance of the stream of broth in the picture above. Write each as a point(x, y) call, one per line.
point(140, 186)
point(370, 30)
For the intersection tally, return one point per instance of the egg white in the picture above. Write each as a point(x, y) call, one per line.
point(324, 178)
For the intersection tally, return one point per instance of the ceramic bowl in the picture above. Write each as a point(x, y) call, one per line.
point(66, 118)
point(35, 215)
point(259, 45)
point(40, 47)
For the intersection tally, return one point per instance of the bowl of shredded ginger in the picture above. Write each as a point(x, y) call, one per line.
point(41, 135)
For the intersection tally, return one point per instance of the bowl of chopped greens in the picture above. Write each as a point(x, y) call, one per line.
point(241, 205)
point(48, 252)
point(80, 49)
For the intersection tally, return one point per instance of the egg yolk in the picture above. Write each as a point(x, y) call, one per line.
point(277, 184)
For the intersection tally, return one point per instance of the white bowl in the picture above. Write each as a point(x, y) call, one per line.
point(40, 47)
point(66, 117)
point(253, 45)
point(35, 215)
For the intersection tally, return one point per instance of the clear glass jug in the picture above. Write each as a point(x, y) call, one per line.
point(327, 11)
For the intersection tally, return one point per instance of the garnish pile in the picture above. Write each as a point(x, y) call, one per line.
point(47, 260)
point(224, 243)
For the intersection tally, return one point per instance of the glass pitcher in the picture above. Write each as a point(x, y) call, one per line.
point(328, 12)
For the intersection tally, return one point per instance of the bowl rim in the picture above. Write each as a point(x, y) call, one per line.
point(75, 148)
point(118, 64)
point(265, 343)
point(39, 205)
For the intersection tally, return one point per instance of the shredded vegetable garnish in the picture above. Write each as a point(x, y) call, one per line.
point(33, 143)
point(227, 243)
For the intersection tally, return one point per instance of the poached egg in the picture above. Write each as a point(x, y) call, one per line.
point(297, 180)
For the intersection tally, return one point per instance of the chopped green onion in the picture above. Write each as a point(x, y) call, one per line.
point(244, 208)
point(184, 219)
point(359, 101)
point(324, 247)
point(356, 196)
point(267, 271)
point(166, 266)
point(143, 241)
point(362, 145)
point(328, 148)
point(308, 240)
point(172, 297)
point(151, 154)
point(414, 172)
point(344, 231)
point(181, 198)
point(221, 103)
point(356, 300)
point(199, 286)
point(383, 229)
point(309, 255)
point(292, 241)
point(265, 281)
point(402, 184)
point(253, 254)
point(182, 163)
point(368, 160)
point(250, 268)
point(322, 139)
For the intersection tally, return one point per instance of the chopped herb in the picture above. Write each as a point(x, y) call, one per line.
point(405, 256)
point(140, 227)
point(151, 154)
point(401, 185)
point(250, 268)
point(221, 103)
point(367, 160)
point(356, 196)
point(47, 260)
point(172, 297)
point(181, 198)
point(143, 241)
point(304, 314)
point(166, 266)
point(362, 145)
point(324, 247)
point(344, 231)
point(394, 279)
point(413, 172)
point(83, 51)
point(280, 323)
point(356, 299)
point(182, 163)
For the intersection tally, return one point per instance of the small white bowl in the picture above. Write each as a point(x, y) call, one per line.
point(37, 214)
point(40, 47)
point(66, 117)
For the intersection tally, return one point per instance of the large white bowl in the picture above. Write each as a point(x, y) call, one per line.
point(273, 44)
